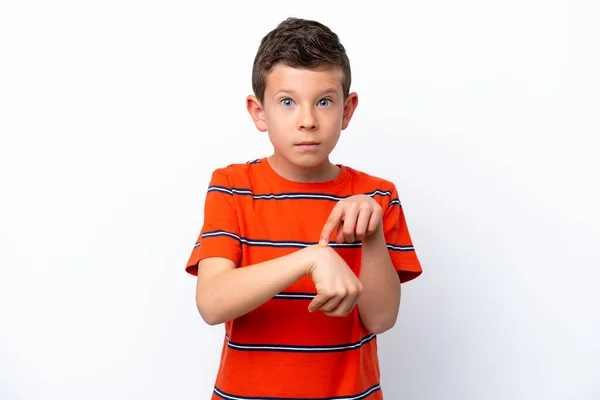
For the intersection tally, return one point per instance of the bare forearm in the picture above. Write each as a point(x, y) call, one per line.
point(380, 299)
point(236, 292)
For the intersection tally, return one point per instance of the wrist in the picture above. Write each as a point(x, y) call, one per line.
point(307, 259)
point(375, 237)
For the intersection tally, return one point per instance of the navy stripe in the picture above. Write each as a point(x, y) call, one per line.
point(299, 349)
point(291, 244)
point(394, 247)
point(274, 243)
point(295, 296)
point(360, 396)
point(220, 233)
point(292, 195)
point(395, 201)
point(295, 245)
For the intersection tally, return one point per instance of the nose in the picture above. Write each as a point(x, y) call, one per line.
point(307, 119)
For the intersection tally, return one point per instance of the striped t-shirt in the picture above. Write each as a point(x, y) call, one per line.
point(280, 350)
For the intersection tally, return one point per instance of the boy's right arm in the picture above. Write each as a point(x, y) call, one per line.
point(224, 292)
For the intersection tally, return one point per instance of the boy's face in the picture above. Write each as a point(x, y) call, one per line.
point(304, 111)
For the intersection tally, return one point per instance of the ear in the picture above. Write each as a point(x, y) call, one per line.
point(256, 112)
point(349, 106)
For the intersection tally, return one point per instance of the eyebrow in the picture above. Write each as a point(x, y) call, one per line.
point(323, 93)
point(329, 91)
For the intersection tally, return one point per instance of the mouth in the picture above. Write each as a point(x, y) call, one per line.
point(308, 146)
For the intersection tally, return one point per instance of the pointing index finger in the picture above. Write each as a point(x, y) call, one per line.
point(332, 222)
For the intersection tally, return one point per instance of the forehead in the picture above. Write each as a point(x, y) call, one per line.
point(303, 80)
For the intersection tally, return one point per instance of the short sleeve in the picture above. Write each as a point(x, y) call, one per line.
point(220, 234)
point(399, 242)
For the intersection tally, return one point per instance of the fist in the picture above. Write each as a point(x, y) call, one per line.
point(338, 288)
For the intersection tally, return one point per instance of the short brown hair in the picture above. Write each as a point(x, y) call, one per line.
point(299, 43)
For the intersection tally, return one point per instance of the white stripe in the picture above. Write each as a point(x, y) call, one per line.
point(210, 234)
point(359, 244)
point(358, 396)
point(292, 195)
point(230, 397)
point(374, 388)
point(296, 296)
point(386, 193)
point(295, 244)
point(241, 191)
point(304, 349)
point(391, 246)
point(274, 243)
point(295, 196)
point(219, 189)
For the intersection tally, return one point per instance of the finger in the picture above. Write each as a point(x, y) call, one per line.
point(374, 221)
point(363, 223)
point(339, 237)
point(332, 222)
point(318, 302)
point(331, 304)
point(355, 299)
point(344, 307)
point(350, 217)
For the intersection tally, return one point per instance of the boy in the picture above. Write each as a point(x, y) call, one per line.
point(301, 259)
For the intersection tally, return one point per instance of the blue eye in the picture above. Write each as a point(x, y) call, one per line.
point(287, 102)
point(324, 102)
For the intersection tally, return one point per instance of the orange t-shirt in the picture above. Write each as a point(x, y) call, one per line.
point(280, 350)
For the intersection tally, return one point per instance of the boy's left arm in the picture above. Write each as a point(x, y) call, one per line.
point(362, 218)
point(380, 299)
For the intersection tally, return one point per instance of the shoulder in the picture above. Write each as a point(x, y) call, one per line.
point(364, 179)
point(381, 189)
point(237, 174)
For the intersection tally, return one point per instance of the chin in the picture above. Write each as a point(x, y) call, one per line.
point(308, 161)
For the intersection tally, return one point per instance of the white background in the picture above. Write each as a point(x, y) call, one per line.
point(113, 114)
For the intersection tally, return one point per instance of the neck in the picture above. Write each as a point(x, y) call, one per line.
point(324, 172)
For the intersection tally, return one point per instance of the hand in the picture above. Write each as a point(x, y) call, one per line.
point(338, 288)
point(355, 218)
